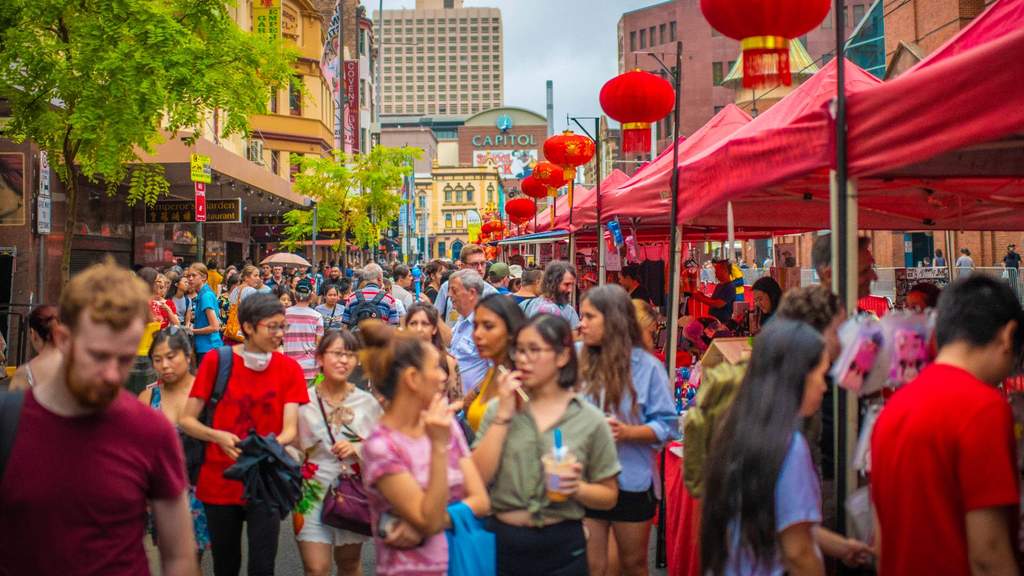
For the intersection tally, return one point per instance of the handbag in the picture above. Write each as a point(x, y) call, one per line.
point(471, 547)
point(233, 328)
point(346, 505)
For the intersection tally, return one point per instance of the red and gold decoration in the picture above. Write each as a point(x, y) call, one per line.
point(764, 29)
point(552, 176)
point(534, 188)
point(520, 210)
point(569, 150)
point(636, 99)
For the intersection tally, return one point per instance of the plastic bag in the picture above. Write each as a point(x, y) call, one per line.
point(471, 547)
point(861, 340)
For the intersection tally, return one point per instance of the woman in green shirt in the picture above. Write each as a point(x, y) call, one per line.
point(537, 519)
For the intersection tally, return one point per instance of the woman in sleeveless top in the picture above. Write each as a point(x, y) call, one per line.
point(496, 321)
point(171, 353)
point(41, 322)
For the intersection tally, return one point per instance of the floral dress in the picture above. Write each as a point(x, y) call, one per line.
point(195, 506)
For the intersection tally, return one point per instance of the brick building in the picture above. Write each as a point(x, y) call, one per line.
point(915, 28)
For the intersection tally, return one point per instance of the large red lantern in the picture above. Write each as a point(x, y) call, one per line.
point(569, 150)
point(636, 99)
point(533, 187)
point(764, 29)
point(520, 210)
point(549, 174)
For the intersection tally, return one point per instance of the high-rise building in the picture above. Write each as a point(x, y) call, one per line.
point(441, 59)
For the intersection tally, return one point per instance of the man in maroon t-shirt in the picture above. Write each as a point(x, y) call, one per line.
point(943, 463)
point(88, 457)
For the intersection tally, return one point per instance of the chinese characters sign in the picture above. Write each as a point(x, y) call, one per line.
point(221, 211)
point(266, 18)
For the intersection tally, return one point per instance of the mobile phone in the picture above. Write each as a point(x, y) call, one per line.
point(386, 524)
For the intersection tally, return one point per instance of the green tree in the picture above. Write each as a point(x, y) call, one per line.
point(357, 194)
point(94, 83)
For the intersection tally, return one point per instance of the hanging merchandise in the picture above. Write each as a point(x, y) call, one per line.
point(636, 99)
point(764, 30)
point(616, 232)
point(862, 340)
point(631, 255)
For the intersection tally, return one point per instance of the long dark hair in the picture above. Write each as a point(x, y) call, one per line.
point(553, 275)
point(607, 367)
point(751, 445)
point(771, 288)
point(511, 314)
point(434, 319)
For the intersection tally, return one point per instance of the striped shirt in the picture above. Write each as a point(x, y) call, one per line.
point(388, 306)
point(305, 326)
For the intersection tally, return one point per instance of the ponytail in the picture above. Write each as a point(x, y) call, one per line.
point(386, 353)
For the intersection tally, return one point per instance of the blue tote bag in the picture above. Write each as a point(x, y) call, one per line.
point(471, 547)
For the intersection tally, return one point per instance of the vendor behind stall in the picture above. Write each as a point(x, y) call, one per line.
point(722, 299)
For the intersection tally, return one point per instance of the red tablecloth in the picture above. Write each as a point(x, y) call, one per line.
point(682, 520)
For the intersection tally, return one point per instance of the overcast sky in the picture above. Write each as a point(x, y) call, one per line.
point(569, 41)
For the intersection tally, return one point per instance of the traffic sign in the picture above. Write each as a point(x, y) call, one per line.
point(200, 202)
point(44, 204)
point(200, 168)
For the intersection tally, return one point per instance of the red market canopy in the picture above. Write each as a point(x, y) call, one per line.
point(561, 219)
point(924, 146)
point(584, 211)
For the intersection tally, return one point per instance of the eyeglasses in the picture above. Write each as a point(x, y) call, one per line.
point(272, 328)
point(340, 354)
point(531, 354)
point(481, 264)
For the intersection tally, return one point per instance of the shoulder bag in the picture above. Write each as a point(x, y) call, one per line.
point(346, 505)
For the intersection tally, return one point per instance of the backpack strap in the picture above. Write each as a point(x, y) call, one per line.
point(225, 359)
point(10, 412)
point(379, 297)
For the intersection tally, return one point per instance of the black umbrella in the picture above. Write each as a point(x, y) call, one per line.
point(270, 476)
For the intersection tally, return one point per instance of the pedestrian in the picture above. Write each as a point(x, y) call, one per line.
point(762, 497)
point(720, 303)
point(630, 386)
point(498, 277)
point(181, 297)
point(161, 309)
point(332, 428)
point(232, 282)
point(304, 327)
point(472, 257)
point(767, 295)
point(171, 354)
point(285, 296)
point(424, 321)
point(940, 259)
point(943, 448)
point(964, 264)
point(214, 277)
point(530, 287)
point(401, 285)
point(496, 321)
point(538, 512)
point(264, 391)
point(42, 321)
point(515, 274)
point(630, 279)
point(277, 278)
point(89, 458)
point(332, 310)
point(432, 283)
point(557, 288)
point(923, 296)
point(647, 318)
point(466, 288)
point(206, 326)
point(416, 459)
point(821, 258)
point(371, 301)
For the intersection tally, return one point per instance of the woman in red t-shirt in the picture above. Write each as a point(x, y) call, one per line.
point(263, 393)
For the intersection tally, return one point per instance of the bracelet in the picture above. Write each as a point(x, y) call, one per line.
point(499, 422)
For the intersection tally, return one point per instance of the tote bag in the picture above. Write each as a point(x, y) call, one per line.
point(471, 547)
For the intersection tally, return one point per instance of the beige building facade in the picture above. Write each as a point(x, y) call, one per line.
point(457, 196)
point(441, 59)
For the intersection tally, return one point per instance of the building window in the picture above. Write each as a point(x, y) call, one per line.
point(458, 196)
point(661, 33)
point(672, 31)
point(440, 245)
point(362, 42)
point(294, 97)
point(469, 193)
point(460, 221)
point(652, 33)
point(716, 73)
point(275, 162)
point(448, 194)
point(643, 39)
point(273, 101)
point(858, 14)
point(448, 220)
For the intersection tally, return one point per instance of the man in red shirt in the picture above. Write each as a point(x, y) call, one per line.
point(88, 457)
point(943, 463)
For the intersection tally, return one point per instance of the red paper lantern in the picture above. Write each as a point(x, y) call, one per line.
point(569, 150)
point(549, 174)
point(520, 210)
point(533, 188)
point(764, 30)
point(636, 99)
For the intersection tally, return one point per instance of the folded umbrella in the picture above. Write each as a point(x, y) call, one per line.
point(270, 476)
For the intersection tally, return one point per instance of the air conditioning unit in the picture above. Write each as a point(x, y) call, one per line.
point(254, 151)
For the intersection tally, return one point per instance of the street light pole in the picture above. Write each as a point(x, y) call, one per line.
point(596, 137)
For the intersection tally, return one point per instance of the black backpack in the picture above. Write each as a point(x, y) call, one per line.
point(10, 411)
point(195, 449)
point(364, 309)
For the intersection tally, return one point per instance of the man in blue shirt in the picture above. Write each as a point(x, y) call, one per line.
point(472, 257)
point(724, 297)
point(206, 325)
point(466, 287)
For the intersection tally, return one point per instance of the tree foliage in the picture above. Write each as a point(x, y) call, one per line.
point(356, 193)
point(94, 83)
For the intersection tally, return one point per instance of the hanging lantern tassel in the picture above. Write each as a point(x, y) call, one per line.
point(553, 194)
point(765, 62)
point(636, 138)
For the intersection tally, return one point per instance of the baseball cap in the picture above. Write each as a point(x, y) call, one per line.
point(304, 286)
point(516, 271)
point(499, 270)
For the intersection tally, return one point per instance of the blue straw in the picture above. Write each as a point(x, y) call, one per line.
point(558, 440)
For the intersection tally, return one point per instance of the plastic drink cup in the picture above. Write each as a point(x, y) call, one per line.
point(553, 470)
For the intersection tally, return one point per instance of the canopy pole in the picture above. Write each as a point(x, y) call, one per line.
point(673, 275)
point(730, 221)
point(601, 248)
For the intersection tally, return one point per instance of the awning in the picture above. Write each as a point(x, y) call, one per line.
point(537, 238)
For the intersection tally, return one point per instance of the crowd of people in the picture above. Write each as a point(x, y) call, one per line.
point(414, 398)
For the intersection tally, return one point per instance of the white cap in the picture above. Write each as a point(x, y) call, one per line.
point(515, 271)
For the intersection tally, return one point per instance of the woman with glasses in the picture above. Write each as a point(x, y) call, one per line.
point(630, 386)
point(496, 321)
point(171, 354)
point(538, 512)
point(264, 391)
point(332, 428)
point(424, 321)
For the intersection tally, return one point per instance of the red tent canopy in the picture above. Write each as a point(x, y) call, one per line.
point(561, 212)
point(584, 212)
point(647, 194)
point(939, 115)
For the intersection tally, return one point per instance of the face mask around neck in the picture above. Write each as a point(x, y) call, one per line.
point(256, 361)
